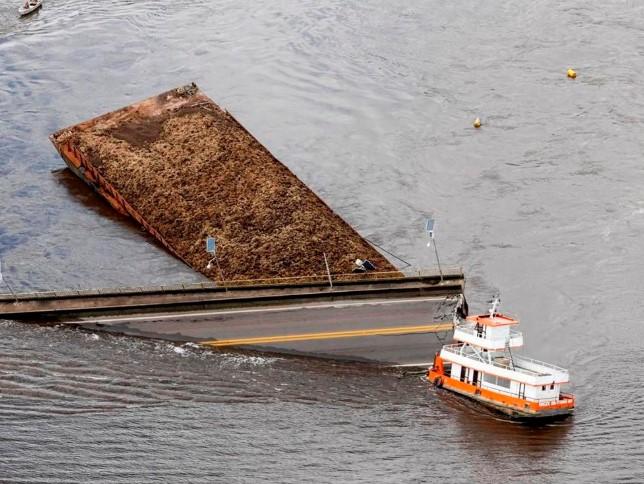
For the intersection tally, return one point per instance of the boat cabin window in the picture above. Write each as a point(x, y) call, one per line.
point(496, 380)
point(552, 386)
point(543, 388)
point(503, 382)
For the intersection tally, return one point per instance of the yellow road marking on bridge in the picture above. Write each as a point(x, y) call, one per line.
point(428, 328)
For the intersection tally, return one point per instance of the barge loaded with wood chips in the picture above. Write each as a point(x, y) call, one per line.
point(186, 170)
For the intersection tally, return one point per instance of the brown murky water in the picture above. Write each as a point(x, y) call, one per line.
point(371, 104)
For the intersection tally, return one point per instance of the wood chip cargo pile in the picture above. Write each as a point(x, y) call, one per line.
point(185, 169)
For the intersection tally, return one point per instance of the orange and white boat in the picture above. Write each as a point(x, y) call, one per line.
point(483, 367)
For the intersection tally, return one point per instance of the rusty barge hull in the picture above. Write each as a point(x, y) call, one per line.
point(184, 169)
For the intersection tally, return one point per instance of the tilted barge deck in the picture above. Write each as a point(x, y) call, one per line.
point(186, 169)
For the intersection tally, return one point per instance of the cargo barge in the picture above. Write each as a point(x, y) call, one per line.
point(185, 169)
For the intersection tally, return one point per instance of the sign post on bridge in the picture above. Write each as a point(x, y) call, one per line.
point(211, 245)
point(211, 248)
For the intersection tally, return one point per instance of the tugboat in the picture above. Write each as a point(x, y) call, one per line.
point(483, 367)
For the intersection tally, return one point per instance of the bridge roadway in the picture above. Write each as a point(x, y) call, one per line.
point(395, 332)
point(395, 322)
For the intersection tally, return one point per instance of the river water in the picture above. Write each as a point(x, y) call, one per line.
point(371, 104)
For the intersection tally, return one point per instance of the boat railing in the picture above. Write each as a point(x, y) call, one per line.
point(566, 397)
point(562, 398)
point(540, 363)
point(469, 352)
point(470, 328)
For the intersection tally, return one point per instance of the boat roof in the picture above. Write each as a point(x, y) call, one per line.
point(497, 320)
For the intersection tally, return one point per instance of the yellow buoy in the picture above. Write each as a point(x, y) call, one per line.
point(572, 74)
point(477, 123)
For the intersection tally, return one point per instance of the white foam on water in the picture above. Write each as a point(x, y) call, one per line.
point(180, 350)
point(239, 360)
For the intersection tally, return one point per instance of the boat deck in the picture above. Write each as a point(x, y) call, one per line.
point(521, 364)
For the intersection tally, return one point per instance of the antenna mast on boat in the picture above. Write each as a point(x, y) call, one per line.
point(495, 304)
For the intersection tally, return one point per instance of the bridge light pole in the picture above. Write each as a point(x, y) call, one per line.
point(429, 228)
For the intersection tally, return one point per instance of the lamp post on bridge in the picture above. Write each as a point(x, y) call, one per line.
point(429, 228)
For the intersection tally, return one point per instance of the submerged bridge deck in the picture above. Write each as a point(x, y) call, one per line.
point(392, 321)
